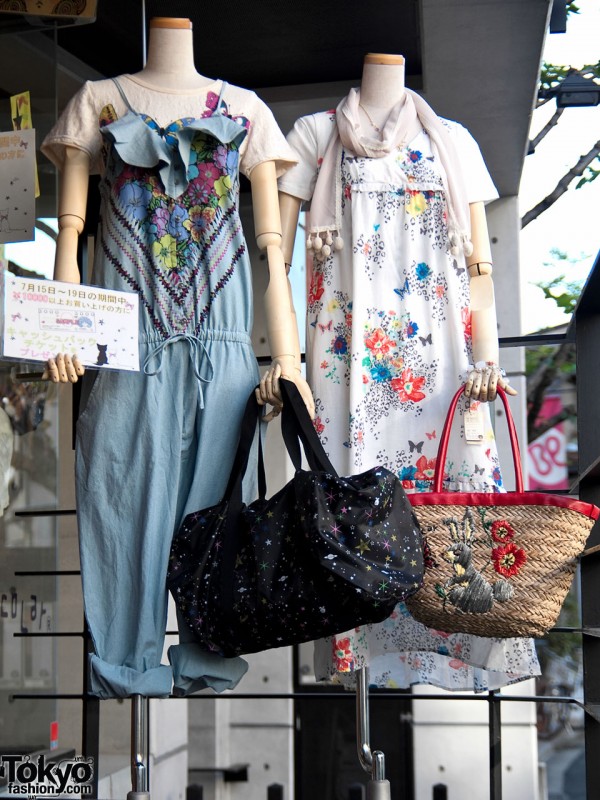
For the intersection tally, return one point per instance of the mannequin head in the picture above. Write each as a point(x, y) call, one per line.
point(382, 83)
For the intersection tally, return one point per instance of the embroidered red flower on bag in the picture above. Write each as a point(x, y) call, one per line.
point(342, 655)
point(502, 531)
point(508, 559)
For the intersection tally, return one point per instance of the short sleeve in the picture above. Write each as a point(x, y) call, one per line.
point(265, 142)
point(478, 182)
point(77, 126)
point(300, 180)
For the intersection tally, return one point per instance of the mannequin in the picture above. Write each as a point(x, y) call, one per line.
point(383, 80)
point(400, 313)
point(170, 65)
point(135, 481)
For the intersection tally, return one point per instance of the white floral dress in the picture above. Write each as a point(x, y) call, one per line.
point(388, 344)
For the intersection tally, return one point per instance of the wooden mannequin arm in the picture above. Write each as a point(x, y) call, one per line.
point(289, 207)
point(265, 205)
point(72, 202)
point(481, 384)
point(483, 306)
point(282, 327)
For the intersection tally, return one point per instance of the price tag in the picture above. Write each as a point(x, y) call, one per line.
point(473, 421)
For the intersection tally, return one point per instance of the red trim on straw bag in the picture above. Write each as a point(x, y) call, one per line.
point(446, 498)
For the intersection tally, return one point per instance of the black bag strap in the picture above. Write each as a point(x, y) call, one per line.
point(252, 414)
point(296, 424)
point(296, 427)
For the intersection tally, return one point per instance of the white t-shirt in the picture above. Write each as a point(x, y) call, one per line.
point(310, 135)
point(78, 125)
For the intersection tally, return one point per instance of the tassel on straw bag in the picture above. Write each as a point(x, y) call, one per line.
point(497, 564)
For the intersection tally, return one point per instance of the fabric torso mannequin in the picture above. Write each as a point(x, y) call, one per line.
point(156, 445)
point(170, 63)
point(389, 337)
point(170, 66)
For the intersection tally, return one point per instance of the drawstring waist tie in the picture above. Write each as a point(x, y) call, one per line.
point(197, 352)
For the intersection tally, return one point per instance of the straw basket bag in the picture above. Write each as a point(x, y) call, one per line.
point(497, 564)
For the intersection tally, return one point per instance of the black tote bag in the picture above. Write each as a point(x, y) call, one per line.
point(323, 555)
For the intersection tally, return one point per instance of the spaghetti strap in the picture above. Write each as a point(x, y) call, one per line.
point(218, 108)
point(123, 95)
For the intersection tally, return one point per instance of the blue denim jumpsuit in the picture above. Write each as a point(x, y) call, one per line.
point(156, 445)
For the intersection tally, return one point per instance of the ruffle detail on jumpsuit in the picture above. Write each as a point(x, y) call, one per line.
point(140, 145)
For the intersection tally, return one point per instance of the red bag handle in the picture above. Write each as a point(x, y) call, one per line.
point(445, 438)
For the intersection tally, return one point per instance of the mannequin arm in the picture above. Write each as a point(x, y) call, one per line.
point(482, 382)
point(289, 207)
point(72, 203)
point(282, 327)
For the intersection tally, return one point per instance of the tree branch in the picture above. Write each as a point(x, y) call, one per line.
point(562, 186)
point(547, 127)
point(565, 413)
point(540, 381)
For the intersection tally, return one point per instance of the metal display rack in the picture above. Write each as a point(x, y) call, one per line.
point(585, 332)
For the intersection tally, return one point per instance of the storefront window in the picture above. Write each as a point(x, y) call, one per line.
point(41, 614)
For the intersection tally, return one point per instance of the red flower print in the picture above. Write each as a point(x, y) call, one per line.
point(508, 559)
point(316, 288)
point(465, 315)
point(342, 655)
point(502, 531)
point(319, 427)
point(324, 364)
point(408, 386)
point(347, 191)
point(439, 290)
point(365, 378)
point(379, 341)
point(204, 183)
point(425, 468)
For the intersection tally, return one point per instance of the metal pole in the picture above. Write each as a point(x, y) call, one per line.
point(140, 770)
point(372, 761)
point(495, 734)
point(90, 719)
point(144, 42)
point(365, 756)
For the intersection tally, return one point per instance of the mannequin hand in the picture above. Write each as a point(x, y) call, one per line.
point(269, 391)
point(63, 369)
point(483, 381)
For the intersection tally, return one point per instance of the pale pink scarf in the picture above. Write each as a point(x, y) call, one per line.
point(407, 118)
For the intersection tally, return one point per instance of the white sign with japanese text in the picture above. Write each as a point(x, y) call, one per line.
point(43, 318)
